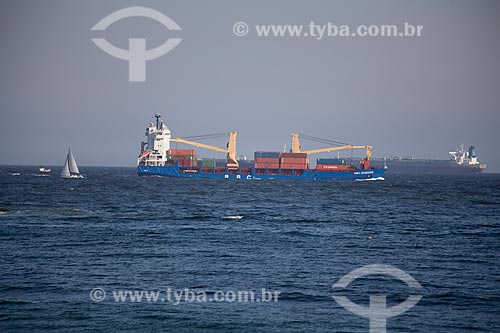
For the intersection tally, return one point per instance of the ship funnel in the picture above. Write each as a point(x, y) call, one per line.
point(472, 152)
point(158, 117)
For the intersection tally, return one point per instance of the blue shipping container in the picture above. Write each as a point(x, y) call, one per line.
point(267, 154)
point(334, 161)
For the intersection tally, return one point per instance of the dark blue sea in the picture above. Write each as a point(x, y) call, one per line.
point(62, 238)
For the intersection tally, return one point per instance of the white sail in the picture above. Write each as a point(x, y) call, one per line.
point(65, 170)
point(73, 168)
point(70, 169)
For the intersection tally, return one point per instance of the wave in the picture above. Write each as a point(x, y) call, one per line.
point(370, 179)
point(195, 217)
point(303, 297)
point(233, 217)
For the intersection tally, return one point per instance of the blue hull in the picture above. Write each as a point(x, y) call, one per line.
point(175, 171)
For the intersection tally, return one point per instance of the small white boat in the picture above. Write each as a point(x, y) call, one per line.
point(45, 170)
point(70, 169)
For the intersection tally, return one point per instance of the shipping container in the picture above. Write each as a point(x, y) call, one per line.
point(334, 167)
point(191, 158)
point(365, 164)
point(266, 160)
point(293, 160)
point(181, 152)
point(220, 170)
point(246, 171)
point(187, 162)
point(330, 161)
point(299, 162)
point(267, 154)
point(294, 155)
point(266, 165)
point(296, 166)
point(208, 164)
point(329, 167)
point(207, 170)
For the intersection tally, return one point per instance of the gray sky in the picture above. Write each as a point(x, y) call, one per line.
point(417, 97)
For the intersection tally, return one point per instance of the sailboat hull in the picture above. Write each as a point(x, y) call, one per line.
point(73, 176)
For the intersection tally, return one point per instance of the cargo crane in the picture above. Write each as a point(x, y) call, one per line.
point(296, 148)
point(232, 162)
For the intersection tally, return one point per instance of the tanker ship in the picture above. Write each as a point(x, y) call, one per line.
point(158, 158)
point(461, 162)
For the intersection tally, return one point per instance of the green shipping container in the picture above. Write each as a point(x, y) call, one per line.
point(208, 164)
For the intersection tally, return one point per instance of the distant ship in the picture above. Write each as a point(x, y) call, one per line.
point(44, 170)
point(461, 162)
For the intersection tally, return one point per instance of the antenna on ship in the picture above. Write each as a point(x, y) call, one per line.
point(158, 117)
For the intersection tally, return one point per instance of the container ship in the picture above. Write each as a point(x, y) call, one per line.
point(461, 162)
point(158, 158)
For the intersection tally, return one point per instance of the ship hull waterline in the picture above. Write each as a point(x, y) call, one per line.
point(428, 168)
point(175, 171)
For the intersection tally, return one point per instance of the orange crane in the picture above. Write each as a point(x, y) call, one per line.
point(296, 148)
point(232, 162)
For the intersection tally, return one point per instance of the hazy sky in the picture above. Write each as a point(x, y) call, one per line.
point(405, 96)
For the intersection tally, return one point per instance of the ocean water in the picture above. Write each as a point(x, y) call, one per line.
point(62, 238)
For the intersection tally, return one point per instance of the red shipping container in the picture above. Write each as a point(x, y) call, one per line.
point(266, 165)
point(181, 152)
point(246, 171)
point(187, 162)
point(296, 166)
point(293, 160)
point(220, 170)
point(329, 167)
point(296, 162)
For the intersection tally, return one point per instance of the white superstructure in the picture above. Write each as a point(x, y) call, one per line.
point(463, 157)
point(154, 152)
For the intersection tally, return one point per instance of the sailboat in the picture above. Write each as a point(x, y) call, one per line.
point(70, 169)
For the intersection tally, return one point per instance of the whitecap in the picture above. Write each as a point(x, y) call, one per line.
point(367, 179)
point(233, 217)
